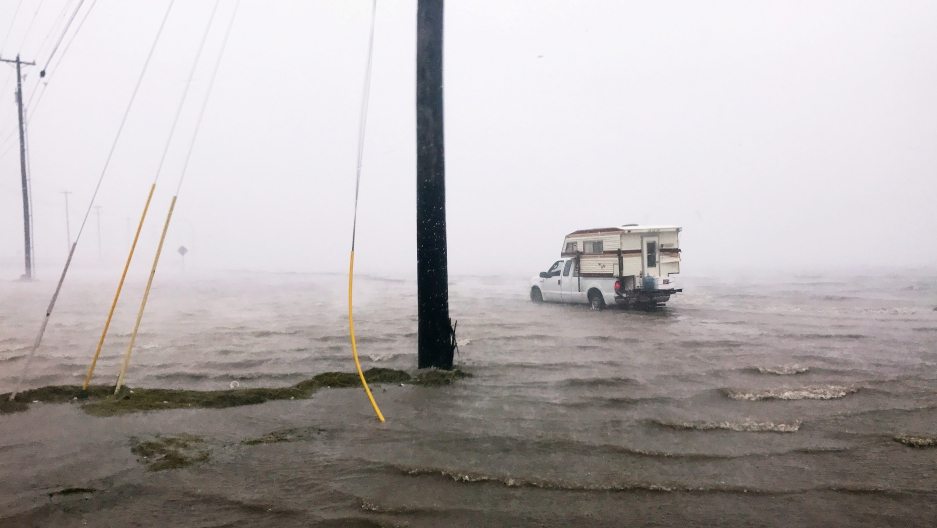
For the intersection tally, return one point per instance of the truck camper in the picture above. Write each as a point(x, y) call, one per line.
point(631, 265)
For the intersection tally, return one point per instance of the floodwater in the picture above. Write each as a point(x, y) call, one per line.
point(743, 403)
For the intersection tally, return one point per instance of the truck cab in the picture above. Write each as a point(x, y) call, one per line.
point(561, 282)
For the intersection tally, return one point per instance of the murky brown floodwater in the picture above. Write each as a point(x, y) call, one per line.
point(743, 403)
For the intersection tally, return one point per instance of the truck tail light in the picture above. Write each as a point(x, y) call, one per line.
point(617, 285)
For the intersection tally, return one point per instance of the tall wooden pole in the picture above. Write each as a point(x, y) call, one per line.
point(27, 227)
point(436, 342)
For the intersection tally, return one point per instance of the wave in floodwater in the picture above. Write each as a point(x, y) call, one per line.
point(617, 401)
point(598, 382)
point(827, 336)
point(17, 357)
point(822, 392)
point(781, 370)
point(743, 426)
point(469, 477)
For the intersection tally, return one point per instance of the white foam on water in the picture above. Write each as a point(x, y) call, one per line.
point(823, 392)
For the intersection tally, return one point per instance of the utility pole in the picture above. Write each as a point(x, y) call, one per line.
point(27, 227)
point(68, 225)
point(436, 337)
point(97, 214)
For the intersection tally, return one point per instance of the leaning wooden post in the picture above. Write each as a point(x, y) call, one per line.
point(436, 342)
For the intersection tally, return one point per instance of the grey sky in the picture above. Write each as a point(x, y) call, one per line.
point(794, 135)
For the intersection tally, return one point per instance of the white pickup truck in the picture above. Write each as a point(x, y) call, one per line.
point(630, 266)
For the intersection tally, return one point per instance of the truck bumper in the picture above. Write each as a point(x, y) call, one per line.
point(645, 296)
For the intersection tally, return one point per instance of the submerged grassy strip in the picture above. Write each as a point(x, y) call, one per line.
point(169, 452)
point(916, 440)
point(99, 400)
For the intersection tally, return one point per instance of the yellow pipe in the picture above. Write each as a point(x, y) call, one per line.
point(146, 295)
point(120, 286)
point(354, 346)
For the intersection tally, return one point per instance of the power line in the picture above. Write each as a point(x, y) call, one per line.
point(185, 92)
point(208, 91)
point(29, 28)
point(146, 207)
point(10, 28)
point(68, 224)
point(30, 107)
point(58, 19)
point(172, 204)
point(3, 51)
point(94, 195)
point(123, 120)
point(68, 45)
point(71, 19)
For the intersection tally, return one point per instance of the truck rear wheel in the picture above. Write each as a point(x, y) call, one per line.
point(535, 295)
point(596, 301)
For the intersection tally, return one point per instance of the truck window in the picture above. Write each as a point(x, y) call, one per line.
point(569, 265)
point(592, 246)
point(651, 254)
point(555, 268)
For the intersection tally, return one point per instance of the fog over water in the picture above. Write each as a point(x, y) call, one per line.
point(794, 135)
point(744, 403)
point(793, 381)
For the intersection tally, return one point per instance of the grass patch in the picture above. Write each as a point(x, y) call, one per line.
point(916, 441)
point(71, 491)
point(136, 400)
point(169, 452)
point(7, 406)
point(51, 394)
point(435, 377)
point(337, 380)
point(285, 435)
point(98, 400)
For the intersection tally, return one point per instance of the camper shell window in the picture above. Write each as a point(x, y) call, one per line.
point(592, 246)
point(572, 247)
point(651, 254)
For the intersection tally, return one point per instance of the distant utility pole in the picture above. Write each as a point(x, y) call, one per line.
point(97, 214)
point(27, 227)
point(68, 225)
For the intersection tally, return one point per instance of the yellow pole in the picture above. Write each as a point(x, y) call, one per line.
point(146, 295)
point(120, 286)
point(351, 331)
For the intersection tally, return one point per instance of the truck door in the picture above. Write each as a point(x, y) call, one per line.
point(571, 293)
point(551, 286)
point(650, 253)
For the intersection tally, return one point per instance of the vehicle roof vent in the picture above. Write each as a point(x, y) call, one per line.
point(629, 225)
